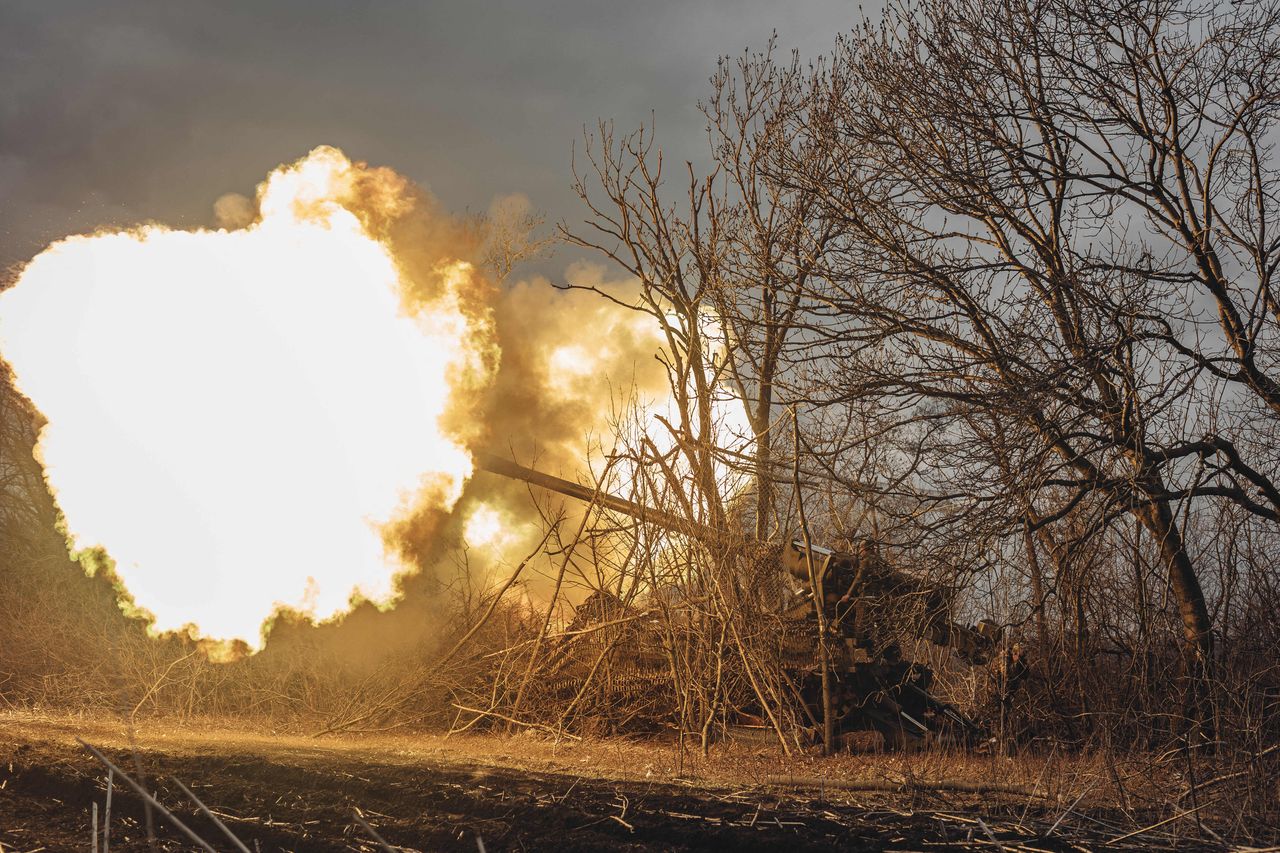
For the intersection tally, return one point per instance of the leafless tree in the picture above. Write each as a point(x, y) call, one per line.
point(774, 239)
point(1036, 200)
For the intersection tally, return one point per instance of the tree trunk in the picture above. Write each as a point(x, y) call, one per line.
point(1197, 630)
point(764, 476)
point(1037, 586)
point(816, 577)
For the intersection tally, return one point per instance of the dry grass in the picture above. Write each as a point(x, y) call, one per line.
point(1104, 780)
point(1081, 798)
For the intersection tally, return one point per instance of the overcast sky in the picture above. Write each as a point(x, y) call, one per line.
point(117, 112)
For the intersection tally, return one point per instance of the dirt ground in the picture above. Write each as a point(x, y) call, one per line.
point(490, 793)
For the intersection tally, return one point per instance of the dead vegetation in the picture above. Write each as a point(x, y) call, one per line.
point(433, 792)
point(994, 283)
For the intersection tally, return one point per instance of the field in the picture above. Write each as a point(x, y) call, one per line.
point(494, 792)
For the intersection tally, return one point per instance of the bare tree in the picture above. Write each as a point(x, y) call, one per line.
point(1031, 196)
point(678, 255)
point(774, 239)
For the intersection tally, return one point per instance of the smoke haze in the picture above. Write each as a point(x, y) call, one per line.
point(274, 417)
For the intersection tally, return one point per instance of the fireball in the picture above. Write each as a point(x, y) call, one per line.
point(234, 414)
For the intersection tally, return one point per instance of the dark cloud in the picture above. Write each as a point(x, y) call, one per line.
point(117, 112)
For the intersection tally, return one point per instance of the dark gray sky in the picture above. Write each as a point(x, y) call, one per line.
point(116, 112)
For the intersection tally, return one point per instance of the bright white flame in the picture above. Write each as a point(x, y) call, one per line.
point(485, 527)
point(232, 414)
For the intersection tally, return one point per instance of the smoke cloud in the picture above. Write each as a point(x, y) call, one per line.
point(235, 416)
point(266, 426)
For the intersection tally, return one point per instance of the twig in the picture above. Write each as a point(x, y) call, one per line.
point(494, 602)
point(142, 780)
point(548, 729)
point(990, 835)
point(148, 799)
point(1070, 808)
point(94, 830)
point(159, 682)
point(1146, 829)
point(106, 817)
point(1229, 776)
point(373, 833)
point(1039, 779)
point(576, 632)
point(213, 817)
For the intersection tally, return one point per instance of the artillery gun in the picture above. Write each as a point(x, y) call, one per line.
point(876, 689)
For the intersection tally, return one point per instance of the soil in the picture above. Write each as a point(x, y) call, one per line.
point(296, 793)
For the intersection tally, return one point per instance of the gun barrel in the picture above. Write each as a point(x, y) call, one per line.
point(504, 467)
